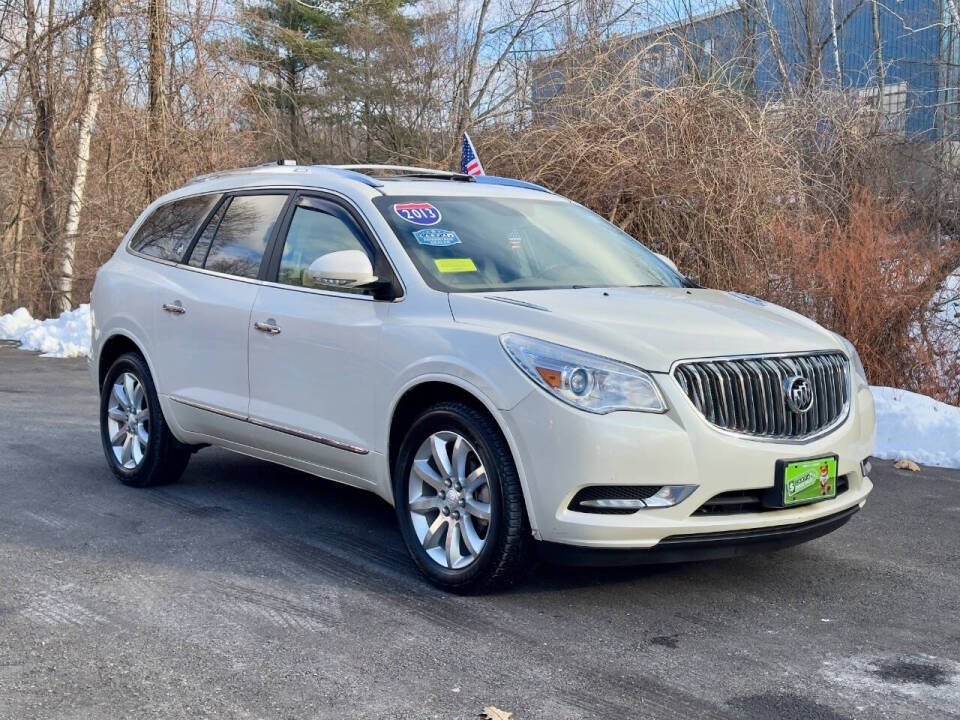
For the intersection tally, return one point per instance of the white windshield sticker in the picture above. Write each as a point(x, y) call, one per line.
point(435, 237)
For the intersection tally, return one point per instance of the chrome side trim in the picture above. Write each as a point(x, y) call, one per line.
point(307, 436)
point(209, 408)
point(271, 426)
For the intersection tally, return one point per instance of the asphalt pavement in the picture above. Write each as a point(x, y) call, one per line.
point(252, 591)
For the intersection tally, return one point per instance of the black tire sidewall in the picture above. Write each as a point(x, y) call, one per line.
point(146, 473)
point(447, 417)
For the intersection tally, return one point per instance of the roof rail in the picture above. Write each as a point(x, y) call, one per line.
point(370, 174)
point(405, 169)
point(288, 166)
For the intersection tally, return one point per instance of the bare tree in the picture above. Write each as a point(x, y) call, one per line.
point(954, 12)
point(836, 43)
point(88, 118)
point(156, 44)
point(878, 46)
point(776, 47)
point(39, 71)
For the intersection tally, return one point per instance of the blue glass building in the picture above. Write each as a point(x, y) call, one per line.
point(773, 47)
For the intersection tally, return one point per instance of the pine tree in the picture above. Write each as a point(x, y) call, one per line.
point(290, 40)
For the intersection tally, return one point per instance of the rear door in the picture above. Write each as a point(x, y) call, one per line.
point(204, 314)
point(314, 350)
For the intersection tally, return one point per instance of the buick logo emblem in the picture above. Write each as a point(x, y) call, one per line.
point(798, 393)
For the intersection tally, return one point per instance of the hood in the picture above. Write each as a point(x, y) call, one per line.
point(647, 327)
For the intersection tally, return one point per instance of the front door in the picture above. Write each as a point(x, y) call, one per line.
point(314, 351)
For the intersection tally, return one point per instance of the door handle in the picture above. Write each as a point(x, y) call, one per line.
point(176, 308)
point(267, 327)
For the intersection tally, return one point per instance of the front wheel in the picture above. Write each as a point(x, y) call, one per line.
point(459, 502)
point(139, 447)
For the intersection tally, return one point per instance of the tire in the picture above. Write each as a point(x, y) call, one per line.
point(162, 458)
point(427, 530)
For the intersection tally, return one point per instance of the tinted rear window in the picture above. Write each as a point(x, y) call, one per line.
point(243, 234)
point(167, 233)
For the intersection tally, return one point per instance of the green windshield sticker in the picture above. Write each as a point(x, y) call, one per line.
point(809, 480)
point(455, 265)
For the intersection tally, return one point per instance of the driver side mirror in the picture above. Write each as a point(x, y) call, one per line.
point(343, 269)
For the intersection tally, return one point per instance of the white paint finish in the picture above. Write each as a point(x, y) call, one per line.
point(201, 354)
point(647, 327)
point(317, 374)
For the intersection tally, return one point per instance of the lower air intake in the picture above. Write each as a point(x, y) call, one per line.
point(595, 498)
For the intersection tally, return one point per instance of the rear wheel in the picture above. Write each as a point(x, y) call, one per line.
point(459, 501)
point(139, 447)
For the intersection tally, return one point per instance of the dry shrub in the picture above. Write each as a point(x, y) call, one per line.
point(868, 280)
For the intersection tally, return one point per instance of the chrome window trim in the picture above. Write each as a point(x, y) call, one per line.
point(826, 430)
point(271, 426)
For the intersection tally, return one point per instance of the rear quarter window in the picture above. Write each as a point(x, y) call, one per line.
point(167, 233)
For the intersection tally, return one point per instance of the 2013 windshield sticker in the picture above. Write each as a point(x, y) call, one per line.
point(418, 213)
point(435, 237)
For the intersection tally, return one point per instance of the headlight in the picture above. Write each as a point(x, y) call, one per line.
point(854, 358)
point(586, 381)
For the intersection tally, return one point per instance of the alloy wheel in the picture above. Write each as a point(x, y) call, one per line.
point(128, 421)
point(449, 500)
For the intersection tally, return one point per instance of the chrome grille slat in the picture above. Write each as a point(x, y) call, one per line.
point(744, 395)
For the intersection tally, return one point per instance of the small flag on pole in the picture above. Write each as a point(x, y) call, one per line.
point(469, 162)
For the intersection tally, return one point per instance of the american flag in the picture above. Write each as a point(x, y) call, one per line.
point(469, 162)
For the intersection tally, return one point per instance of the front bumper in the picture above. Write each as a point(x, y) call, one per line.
point(561, 449)
point(701, 546)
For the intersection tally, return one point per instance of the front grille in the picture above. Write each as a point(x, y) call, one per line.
point(735, 502)
point(746, 395)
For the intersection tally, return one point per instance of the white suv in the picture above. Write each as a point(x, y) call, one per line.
point(509, 370)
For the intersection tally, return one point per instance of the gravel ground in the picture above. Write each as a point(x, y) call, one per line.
point(248, 590)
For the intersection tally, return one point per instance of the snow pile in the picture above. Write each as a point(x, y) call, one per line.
point(65, 336)
point(917, 428)
point(940, 333)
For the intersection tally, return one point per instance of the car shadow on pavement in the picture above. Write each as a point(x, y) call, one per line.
point(295, 514)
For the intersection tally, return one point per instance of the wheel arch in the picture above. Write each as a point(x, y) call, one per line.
point(113, 347)
point(428, 391)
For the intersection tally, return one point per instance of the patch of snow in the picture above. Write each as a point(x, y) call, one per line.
point(916, 427)
point(12, 326)
point(940, 331)
point(65, 336)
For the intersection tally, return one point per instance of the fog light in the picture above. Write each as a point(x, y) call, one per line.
point(614, 503)
point(666, 496)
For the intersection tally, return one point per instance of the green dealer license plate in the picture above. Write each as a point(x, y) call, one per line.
point(805, 481)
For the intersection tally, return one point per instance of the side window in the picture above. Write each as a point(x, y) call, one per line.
point(242, 236)
point(314, 232)
point(167, 233)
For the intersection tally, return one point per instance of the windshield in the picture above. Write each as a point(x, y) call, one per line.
point(470, 244)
